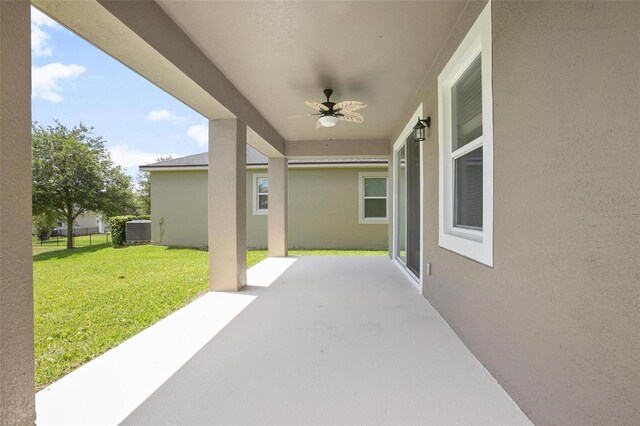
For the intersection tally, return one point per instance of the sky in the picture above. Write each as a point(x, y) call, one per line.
point(73, 82)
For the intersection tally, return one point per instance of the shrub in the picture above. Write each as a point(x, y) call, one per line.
point(43, 225)
point(43, 234)
point(117, 226)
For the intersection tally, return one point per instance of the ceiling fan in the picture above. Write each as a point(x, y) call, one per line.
point(330, 112)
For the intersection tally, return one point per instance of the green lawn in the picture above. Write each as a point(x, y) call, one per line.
point(61, 243)
point(255, 256)
point(92, 298)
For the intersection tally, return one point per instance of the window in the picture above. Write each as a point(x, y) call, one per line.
point(373, 197)
point(465, 131)
point(260, 194)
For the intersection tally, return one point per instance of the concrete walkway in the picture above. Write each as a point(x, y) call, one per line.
point(312, 340)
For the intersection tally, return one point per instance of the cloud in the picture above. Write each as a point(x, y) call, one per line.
point(125, 156)
point(39, 42)
point(40, 19)
point(39, 37)
point(162, 114)
point(45, 79)
point(130, 158)
point(199, 133)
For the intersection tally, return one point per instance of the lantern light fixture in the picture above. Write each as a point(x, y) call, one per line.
point(422, 124)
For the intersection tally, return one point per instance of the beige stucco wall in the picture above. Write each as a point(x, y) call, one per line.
point(17, 399)
point(179, 199)
point(556, 320)
point(323, 210)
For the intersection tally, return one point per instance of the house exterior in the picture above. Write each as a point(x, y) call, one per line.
point(85, 224)
point(516, 217)
point(338, 204)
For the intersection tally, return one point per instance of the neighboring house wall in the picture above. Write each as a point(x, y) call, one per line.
point(85, 224)
point(90, 221)
point(555, 319)
point(179, 199)
point(323, 210)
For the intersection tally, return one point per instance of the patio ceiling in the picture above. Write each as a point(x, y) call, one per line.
point(279, 54)
point(259, 61)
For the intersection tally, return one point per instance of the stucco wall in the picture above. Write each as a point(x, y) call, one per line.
point(180, 199)
point(17, 401)
point(323, 210)
point(556, 320)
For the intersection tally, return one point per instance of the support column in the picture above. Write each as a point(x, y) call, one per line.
point(17, 388)
point(278, 219)
point(227, 205)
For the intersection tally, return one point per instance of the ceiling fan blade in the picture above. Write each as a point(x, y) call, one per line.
point(318, 125)
point(349, 105)
point(350, 116)
point(316, 105)
point(304, 115)
point(351, 119)
point(349, 113)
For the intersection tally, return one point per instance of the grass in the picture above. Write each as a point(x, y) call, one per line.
point(61, 243)
point(255, 256)
point(92, 298)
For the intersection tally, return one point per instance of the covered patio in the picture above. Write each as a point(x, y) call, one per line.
point(310, 340)
point(519, 222)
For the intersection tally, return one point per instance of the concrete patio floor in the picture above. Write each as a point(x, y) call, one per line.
point(311, 340)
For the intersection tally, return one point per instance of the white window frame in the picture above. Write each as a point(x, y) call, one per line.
point(256, 210)
point(472, 243)
point(378, 220)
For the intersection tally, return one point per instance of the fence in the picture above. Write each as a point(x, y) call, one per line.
point(60, 235)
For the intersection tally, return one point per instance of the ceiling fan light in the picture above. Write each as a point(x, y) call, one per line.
point(328, 120)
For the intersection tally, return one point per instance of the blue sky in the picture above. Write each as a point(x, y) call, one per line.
point(75, 82)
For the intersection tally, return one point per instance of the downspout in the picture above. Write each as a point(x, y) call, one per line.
point(160, 223)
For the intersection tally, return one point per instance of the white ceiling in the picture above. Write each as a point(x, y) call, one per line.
point(279, 54)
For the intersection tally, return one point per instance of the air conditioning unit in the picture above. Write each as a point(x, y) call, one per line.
point(138, 231)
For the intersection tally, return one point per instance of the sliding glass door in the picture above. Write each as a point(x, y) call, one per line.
point(401, 205)
point(408, 220)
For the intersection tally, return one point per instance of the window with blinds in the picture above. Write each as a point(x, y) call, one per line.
point(466, 119)
point(468, 190)
point(465, 136)
point(466, 96)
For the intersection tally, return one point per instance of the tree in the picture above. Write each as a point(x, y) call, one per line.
point(73, 173)
point(143, 190)
point(43, 225)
